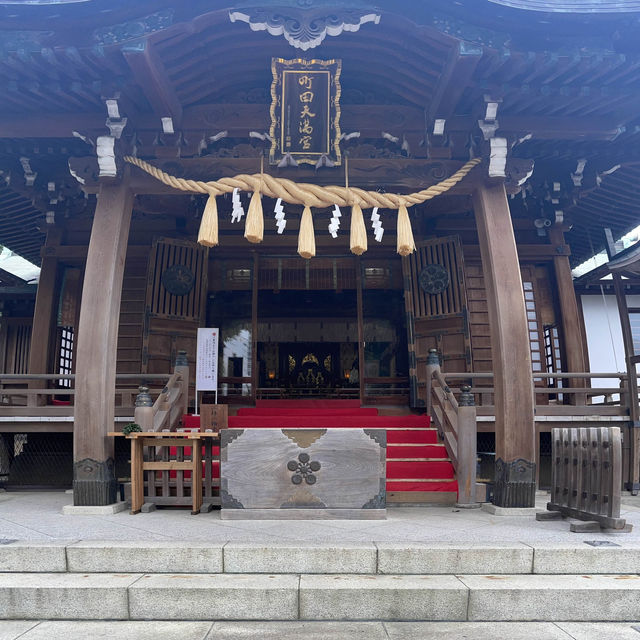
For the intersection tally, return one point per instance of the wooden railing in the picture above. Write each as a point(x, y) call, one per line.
point(455, 409)
point(556, 401)
point(456, 423)
point(37, 394)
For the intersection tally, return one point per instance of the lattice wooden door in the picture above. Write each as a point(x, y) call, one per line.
point(436, 306)
point(175, 303)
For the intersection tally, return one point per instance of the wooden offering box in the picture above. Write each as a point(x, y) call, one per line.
point(303, 473)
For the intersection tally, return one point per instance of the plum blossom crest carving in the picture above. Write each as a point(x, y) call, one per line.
point(303, 469)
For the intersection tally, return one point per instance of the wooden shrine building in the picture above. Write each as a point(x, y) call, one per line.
point(535, 102)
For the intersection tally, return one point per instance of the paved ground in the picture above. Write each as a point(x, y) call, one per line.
point(38, 516)
point(83, 630)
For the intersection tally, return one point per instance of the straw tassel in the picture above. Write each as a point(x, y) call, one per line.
point(208, 234)
point(358, 231)
point(254, 225)
point(306, 236)
point(406, 244)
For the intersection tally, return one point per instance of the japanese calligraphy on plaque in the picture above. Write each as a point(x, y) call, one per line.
point(305, 110)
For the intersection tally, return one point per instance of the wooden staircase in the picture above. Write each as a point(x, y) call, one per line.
point(418, 468)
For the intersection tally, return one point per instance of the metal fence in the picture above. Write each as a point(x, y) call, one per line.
point(36, 460)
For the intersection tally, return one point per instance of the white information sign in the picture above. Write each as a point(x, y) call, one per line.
point(207, 361)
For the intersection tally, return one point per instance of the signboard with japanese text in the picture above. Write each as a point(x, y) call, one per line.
point(305, 110)
point(207, 360)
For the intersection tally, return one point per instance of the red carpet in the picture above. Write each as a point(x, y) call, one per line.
point(287, 412)
point(416, 461)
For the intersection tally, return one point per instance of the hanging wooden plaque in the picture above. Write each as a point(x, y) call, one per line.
point(305, 111)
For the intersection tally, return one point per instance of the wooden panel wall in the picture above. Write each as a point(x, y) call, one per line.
point(540, 313)
point(15, 340)
point(132, 305)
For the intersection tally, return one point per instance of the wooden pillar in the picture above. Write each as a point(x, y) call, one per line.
point(360, 314)
point(255, 374)
point(572, 328)
point(633, 484)
point(43, 315)
point(514, 405)
point(93, 474)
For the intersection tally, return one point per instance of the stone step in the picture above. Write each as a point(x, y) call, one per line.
point(192, 557)
point(226, 596)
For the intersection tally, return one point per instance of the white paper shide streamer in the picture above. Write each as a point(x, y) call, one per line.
point(237, 212)
point(376, 224)
point(278, 211)
point(334, 225)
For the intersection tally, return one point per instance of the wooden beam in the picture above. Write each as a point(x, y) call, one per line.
point(510, 351)
point(455, 79)
point(150, 74)
point(360, 314)
point(94, 482)
point(573, 339)
point(255, 374)
point(370, 120)
point(404, 174)
point(42, 331)
point(633, 483)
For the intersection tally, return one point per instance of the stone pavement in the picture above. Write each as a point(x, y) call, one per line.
point(37, 516)
point(91, 630)
point(412, 539)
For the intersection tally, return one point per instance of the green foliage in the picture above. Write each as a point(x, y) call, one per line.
point(130, 427)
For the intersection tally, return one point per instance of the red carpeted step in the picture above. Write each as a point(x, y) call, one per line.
point(412, 436)
point(323, 422)
point(419, 470)
point(427, 485)
point(416, 451)
point(308, 404)
point(346, 411)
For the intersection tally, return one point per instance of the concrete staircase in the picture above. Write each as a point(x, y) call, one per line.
point(193, 581)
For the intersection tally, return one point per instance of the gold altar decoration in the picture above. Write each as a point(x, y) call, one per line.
point(308, 195)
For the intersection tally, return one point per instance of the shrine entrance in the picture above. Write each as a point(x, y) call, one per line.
point(327, 328)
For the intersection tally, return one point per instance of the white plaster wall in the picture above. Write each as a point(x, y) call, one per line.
point(604, 335)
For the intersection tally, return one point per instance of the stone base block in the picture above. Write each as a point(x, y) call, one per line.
point(63, 596)
point(453, 558)
point(93, 556)
point(117, 630)
point(509, 511)
point(106, 510)
point(559, 597)
point(585, 526)
point(48, 557)
point(214, 597)
point(561, 558)
point(377, 597)
point(548, 515)
point(303, 514)
point(299, 557)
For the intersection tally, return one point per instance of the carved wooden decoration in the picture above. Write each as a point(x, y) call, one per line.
point(305, 112)
point(304, 28)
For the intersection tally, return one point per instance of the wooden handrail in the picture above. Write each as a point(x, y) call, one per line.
point(456, 422)
point(537, 374)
